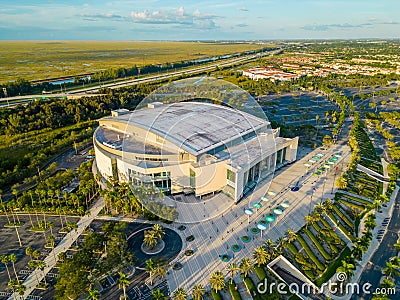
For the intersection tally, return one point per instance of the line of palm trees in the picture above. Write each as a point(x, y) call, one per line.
point(13, 283)
point(261, 256)
point(155, 269)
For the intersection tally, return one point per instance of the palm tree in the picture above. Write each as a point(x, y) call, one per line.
point(93, 294)
point(150, 240)
point(217, 281)
point(160, 271)
point(328, 204)
point(397, 245)
point(290, 235)
point(281, 244)
point(380, 296)
point(346, 268)
point(4, 207)
point(370, 224)
point(21, 290)
point(157, 294)
point(233, 269)
point(5, 260)
point(309, 220)
point(391, 270)
point(198, 291)
point(123, 282)
point(12, 284)
point(158, 231)
point(180, 294)
point(41, 265)
point(29, 251)
point(32, 265)
point(260, 255)
point(387, 283)
point(36, 254)
point(246, 266)
point(13, 258)
point(376, 205)
point(358, 251)
point(150, 268)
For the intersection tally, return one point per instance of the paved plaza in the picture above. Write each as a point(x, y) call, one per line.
point(216, 237)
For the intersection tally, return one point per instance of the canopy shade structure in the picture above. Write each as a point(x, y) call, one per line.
point(285, 204)
point(337, 155)
point(257, 205)
point(271, 193)
point(265, 199)
point(311, 161)
point(307, 165)
point(270, 218)
point(327, 166)
point(331, 163)
point(278, 211)
point(262, 225)
point(320, 154)
point(248, 211)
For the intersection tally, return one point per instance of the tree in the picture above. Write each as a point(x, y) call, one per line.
point(327, 140)
point(29, 251)
point(93, 294)
point(157, 294)
point(150, 240)
point(123, 282)
point(180, 294)
point(260, 255)
point(233, 269)
point(197, 292)
point(346, 268)
point(150, 268)
point(309, 220)
point(5, 260)
point(158, 231)
point(246, 266)
point(21, 290)
point(32, 265)
point(12, 284)
point(217, 281)
point(290, 235)
point(391, 270)
point(41, 265)
point(13, 258)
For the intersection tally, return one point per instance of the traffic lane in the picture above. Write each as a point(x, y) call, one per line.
point(373, 271)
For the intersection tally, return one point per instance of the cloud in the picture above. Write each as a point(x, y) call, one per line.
point(242, 9)
point(175, 16)
point(107, 16)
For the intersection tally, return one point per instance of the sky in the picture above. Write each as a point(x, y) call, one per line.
point(198, 20)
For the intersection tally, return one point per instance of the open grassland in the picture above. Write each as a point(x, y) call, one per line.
point(37, 60)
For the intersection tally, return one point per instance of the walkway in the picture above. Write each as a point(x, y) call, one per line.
point(216, 237)
point(31, 281)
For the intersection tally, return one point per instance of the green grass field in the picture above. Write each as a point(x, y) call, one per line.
point(36, 60)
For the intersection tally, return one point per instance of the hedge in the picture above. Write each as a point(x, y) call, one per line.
point(310, 253)
point(260, 272)
point(317, 244)
point(234, 293)
point(251, 288)
point(216, 295)
point(351, 204)
point(343, 217)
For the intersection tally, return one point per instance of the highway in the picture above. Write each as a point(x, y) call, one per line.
point(13, 101)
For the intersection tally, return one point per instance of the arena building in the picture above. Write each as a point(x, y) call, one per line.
point(190, 147)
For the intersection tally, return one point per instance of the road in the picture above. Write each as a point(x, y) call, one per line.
point(373, 272)
point(5, 102)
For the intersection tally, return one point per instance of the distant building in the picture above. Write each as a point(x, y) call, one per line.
point(190, 147)
point(269, 73)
